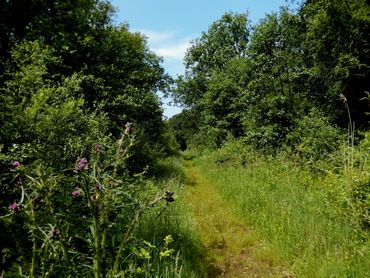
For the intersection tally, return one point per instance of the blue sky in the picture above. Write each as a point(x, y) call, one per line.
point(170, 25)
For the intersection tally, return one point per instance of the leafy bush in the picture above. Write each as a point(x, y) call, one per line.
point(65, 97)
point(234, 153)
point(48, 119)
point(314, 137)
point(77, 222)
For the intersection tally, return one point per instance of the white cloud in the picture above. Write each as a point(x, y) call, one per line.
point(174, 51)
point(168, 44)
point(172, 47)
point(157, 37)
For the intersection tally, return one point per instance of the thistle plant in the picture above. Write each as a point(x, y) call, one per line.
point(80, 221)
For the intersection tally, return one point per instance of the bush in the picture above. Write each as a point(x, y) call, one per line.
point(314, 137)
point(234, 153)
point(77, 222)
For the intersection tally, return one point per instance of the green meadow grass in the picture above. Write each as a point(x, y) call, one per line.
point(186, 260)
point(295, 212)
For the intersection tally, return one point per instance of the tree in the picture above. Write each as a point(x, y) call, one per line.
point(276, 85)
point(206, 88)
point(226, 39)
point(118, 76)
point(337, 49)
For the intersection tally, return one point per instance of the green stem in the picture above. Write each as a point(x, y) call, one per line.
point(128, 232)
point(34, 245)
point(121, 154)
point(96, 232)
point(124, 240)
point(97, 256)
point(102, 244)
point(62, 237)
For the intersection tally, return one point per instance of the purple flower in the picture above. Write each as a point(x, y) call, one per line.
point(81, 164)
point(77, 192)
point(98, 186)
point(98, 147)
point(16, 164)
point(14, 207)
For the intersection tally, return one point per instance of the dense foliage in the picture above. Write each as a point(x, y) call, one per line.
point(71, 83)
point(261, 82)
point(280, 112)
point(282, 101)
point(70, 56)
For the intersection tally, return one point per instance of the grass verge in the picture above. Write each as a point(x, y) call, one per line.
point(187, 255)
point(295, 211)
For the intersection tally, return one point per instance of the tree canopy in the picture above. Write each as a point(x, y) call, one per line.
point(258, 82)
point(69, 55)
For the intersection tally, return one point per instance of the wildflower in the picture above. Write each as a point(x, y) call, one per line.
point(98, 147)
point(77, 192)
point(168, 239)
point(98, 186)
point(14, 207)
point(81, 164)
point(16, 164)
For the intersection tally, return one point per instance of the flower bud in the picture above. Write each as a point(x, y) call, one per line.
point(14, 207)
point(81, 164)
point(77, 192)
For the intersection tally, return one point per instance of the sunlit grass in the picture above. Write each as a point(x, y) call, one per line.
point(280, 220)
point(290, 209)
point(232, 248)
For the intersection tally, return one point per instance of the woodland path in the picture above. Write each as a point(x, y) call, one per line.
point(232, 248)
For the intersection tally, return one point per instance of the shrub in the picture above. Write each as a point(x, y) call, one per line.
point(77, 222)
point(314, 137)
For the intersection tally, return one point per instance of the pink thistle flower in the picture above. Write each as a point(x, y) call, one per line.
point(14, 207)
point(16, 164)
point(77, 192)
point(98, 186)
point(81, 164)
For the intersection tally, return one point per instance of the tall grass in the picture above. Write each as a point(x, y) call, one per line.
point(305, 217)
point(175, 221)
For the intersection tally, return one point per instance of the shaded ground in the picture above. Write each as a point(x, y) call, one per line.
point(233, 250)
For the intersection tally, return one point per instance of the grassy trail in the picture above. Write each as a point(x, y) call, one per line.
point(232, 249)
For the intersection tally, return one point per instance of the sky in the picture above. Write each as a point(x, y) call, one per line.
point(170, 25)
